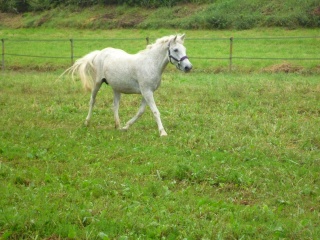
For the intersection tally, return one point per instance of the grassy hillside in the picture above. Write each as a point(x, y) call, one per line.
point(230, 14)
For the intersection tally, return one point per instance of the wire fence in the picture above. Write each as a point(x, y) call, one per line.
point(28, 48)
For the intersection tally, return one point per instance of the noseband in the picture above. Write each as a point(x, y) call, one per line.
point(177, 60)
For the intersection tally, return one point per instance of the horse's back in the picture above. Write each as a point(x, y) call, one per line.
point(113, 52)
point(118, 68)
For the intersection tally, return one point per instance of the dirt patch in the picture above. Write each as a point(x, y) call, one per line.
point(316, 11)
point(283, 67)
point(130, 22)
point(37, 68)
point(10, 20)
point(181, 11)
point(108, 16)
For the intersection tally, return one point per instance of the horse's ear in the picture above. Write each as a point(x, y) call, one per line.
point(173, 40)
point(182, 37)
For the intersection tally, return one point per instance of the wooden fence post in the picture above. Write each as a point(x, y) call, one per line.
point(71, 43)
point(230, 56)
point(2, 40)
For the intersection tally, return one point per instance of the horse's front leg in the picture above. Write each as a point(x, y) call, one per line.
point(137, 116)
point(148, 96)
point(116, 102)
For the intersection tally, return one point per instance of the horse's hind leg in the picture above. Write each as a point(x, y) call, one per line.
point(136, 117)
point(94, 92)
point(116, 102)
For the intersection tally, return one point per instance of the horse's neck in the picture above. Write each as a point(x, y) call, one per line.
point(158, 57)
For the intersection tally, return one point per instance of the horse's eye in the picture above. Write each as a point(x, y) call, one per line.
point(176, 50)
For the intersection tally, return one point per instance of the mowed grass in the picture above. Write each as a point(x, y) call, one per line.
point(241, 161)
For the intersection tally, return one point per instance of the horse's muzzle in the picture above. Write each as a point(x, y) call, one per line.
point(187, 68)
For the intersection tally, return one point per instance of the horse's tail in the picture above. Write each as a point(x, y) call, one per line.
point(86, 70)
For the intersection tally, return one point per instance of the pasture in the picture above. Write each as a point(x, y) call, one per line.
point(241, 160)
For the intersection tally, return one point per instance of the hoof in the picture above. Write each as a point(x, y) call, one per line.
point(124, 129)
point(163, 134)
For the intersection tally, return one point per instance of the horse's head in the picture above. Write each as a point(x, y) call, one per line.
point(177, 54)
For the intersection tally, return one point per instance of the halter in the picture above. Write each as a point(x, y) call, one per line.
point(177, 60)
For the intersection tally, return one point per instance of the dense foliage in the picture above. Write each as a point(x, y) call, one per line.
point(37, 5)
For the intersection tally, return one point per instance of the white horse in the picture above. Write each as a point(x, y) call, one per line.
point(131, 74)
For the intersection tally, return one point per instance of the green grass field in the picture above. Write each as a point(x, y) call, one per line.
point(241, 161)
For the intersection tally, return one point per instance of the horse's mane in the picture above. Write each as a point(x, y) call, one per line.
point(165, 39)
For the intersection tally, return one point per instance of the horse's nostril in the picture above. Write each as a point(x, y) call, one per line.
point(187, 68)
